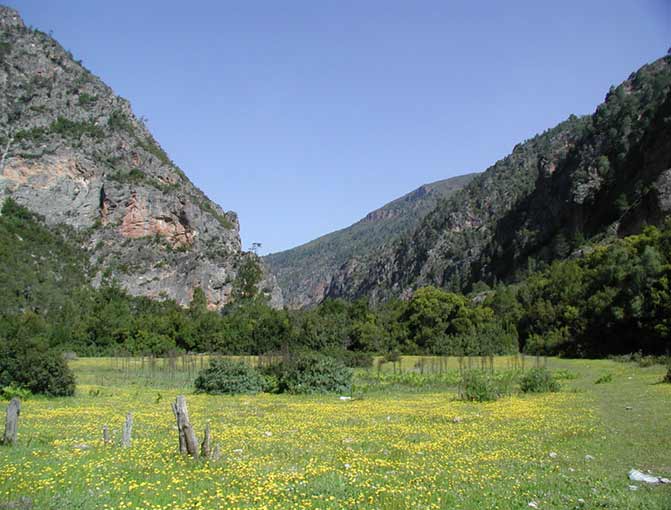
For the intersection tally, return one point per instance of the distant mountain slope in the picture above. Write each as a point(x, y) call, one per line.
point(74, 152)
point(604, 174)
point(304, 272)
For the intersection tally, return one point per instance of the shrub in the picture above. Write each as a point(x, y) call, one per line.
point(271, 383)
point(648, 361)
point(5, 49)
point(30, 366)
point(667, 377)
point(86, 99)
point(606, 378)
point(119, 121)
point(312, 373)
point(9, 392)
point(76, 129)
point(565, 374)
point(224, 376)
point(479, 386)
point(538, 380)
point(506, 380)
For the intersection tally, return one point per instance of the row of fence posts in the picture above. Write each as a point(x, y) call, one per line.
point(151, 365)
point(188, 365)
point(188, 442)
point(440, 364)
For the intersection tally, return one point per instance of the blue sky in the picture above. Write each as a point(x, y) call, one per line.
point(302, 116)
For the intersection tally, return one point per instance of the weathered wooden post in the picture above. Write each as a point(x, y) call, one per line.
point(206, 446)
point(106, 435)
point(12, 422)
point(187, 436)
point(216, 453)
point(126, 437)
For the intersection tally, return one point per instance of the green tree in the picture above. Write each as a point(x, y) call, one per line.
point(249, 276)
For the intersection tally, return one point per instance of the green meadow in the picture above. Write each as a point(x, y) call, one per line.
point(403, 440)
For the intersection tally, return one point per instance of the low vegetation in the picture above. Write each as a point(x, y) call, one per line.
point(402, 444)
point(480, 386)
point(614, 299)
point(306, 373)
point(311, 373)
point(64, 127)
point(225, 376)
point(538, 380)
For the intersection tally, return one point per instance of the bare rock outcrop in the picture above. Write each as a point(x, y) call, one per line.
point(74, 152)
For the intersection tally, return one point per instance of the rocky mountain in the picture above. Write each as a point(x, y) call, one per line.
point(74, 152)
point(304, 273)
point(604, 174)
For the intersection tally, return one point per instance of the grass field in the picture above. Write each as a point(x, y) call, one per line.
point(403, 443)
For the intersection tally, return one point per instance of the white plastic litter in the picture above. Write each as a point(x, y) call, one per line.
point(588, 458)
point(553, 455)
point(345, 398)
point(533, 504)
point(637, 476)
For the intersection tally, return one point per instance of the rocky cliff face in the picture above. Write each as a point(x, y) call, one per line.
point(74, 152)
point(305, 272)
point(604, 174)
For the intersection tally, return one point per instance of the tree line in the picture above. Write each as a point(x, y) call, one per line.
point(610, 298)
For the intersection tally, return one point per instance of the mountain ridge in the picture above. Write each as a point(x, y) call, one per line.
point(304, 272)
point(600, 174)
point(75, 153)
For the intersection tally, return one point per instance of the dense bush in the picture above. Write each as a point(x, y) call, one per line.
point(30, 366)
point(479, 386)
point(312, 373)
point(538, 380)
point(667, 377)
point(224, 376)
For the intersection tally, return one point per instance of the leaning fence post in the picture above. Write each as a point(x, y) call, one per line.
point(127, 431)
point(187, 436)
point(12, 422)
point(106, 434)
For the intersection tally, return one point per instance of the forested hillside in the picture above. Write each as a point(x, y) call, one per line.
point(599, 175)
point(47, 298)
point(304, 273)
point(613, 298)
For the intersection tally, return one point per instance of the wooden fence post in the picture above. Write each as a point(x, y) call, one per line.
point(127, 431)
point(106, 434)
point(206, 446)
point(12, 422)
point(187, 436)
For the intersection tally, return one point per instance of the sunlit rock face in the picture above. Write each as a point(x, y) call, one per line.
point(74, 152)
